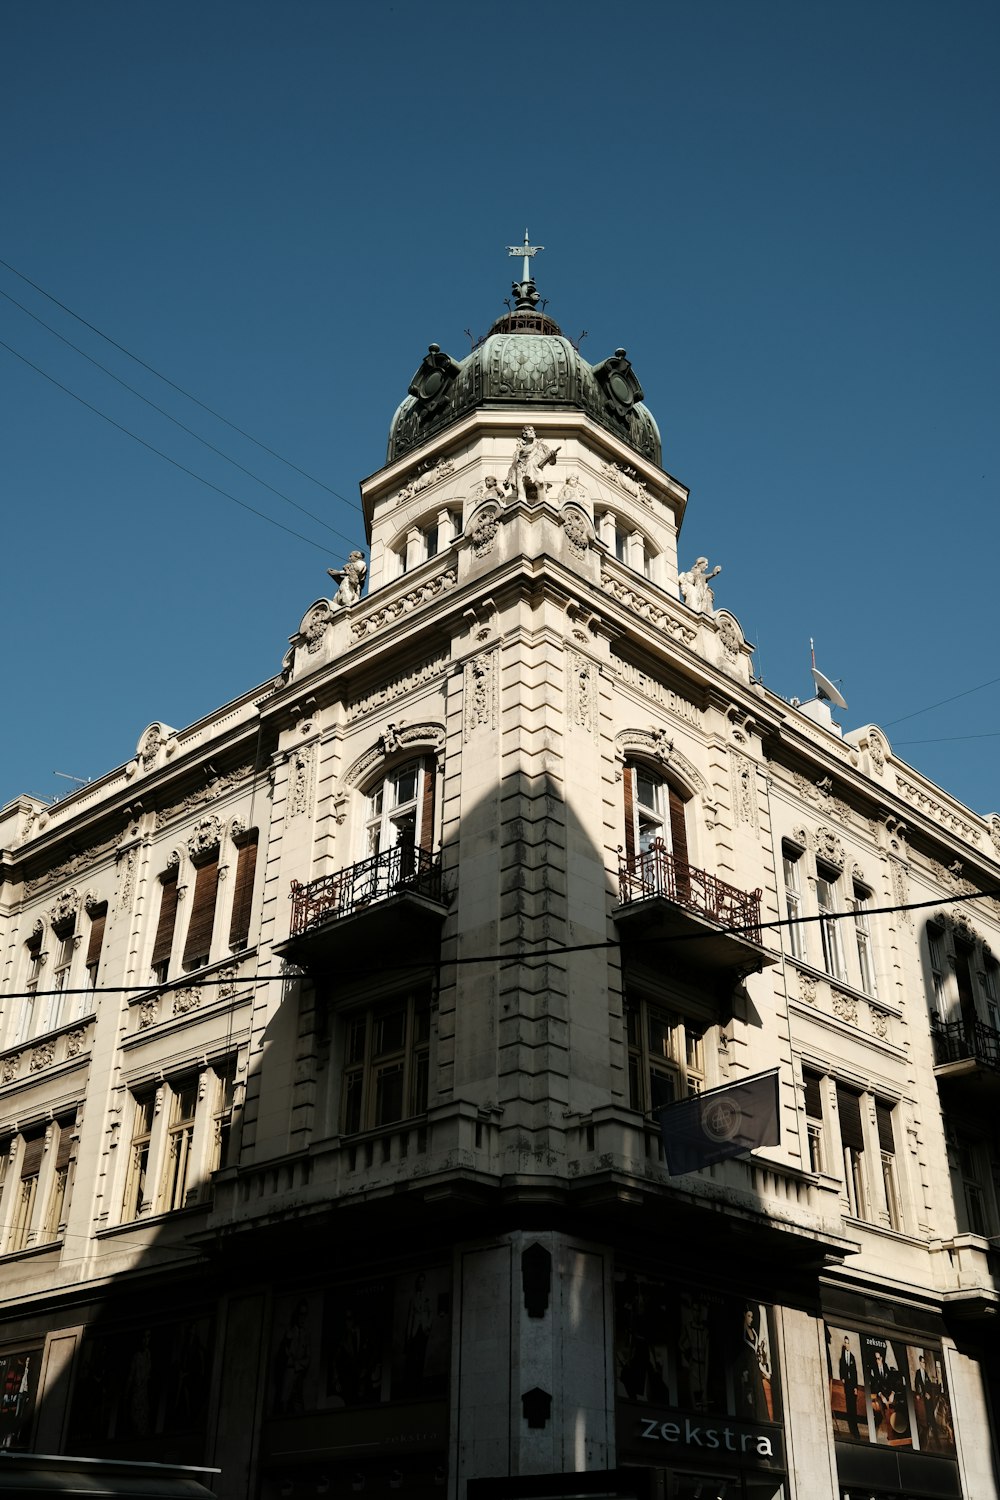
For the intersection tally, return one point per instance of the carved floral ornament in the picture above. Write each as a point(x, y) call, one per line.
point(65, 907)
point(577, 529)
point(483, 529)
point(994, 827)
point(829, 848)
point(399, 736)
point(204, 836)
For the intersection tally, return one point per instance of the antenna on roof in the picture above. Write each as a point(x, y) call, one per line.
point(825, 689)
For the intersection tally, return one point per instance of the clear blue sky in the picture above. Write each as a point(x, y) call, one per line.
point(786, 212)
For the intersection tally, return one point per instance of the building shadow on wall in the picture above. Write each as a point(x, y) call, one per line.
point(464, 1047)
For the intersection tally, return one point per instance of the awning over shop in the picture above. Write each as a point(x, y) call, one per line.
point(47, 1474)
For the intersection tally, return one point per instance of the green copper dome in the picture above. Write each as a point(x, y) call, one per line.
point(524, 360)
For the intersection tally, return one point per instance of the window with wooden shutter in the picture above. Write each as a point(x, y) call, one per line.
point(246, 866)
point(852, 1140)
point(814, 1121)
point(887, 1151)
point(427, 805)
point(166, 922)
point(198, 943)
point(628, 785)
point(98, 920)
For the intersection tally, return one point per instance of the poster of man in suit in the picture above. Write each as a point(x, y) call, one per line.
point(888, 1390)
point(848, 1406)
point(935, 1432)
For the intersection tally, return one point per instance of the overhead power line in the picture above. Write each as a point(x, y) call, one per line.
point(534, 956)
point(321, 546)
point(174, 386)
point(351, 541)
point(940, 704)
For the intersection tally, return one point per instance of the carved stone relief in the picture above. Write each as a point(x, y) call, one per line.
point(829, 848)
point(10, 1067)
point(75, 1041)
point(876, 751)
point(656, 691)
point(582, 685)
point(744, 789)
point(807, 988)
point(205, 835)
point(480, 692)
point(65, 907)
point(42, 1056)
point(730, 639)
point(627, 480)
point(946, 816)
point(396, 687)
point(577, 530)
point(129, 861)
point(820, 794)
point(404, 603)
point(647, 608)
point(424, 478)
point(846, 1007)
point(186, 1000)
point(426, 736)
point(300, 781)
point(880, 1022)
point(214, 788)
point(315, 626)
point(70, 867)
point(148, 1012)
point(484, 529)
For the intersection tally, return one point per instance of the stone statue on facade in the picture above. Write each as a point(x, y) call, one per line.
point(530, 456)
point(695, 586)
point(350, 577)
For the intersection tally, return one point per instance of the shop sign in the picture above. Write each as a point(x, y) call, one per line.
point(694, 1432)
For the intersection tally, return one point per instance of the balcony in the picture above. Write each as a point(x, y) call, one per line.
point(966, 1049)
point(396, 897)
point(702, 922)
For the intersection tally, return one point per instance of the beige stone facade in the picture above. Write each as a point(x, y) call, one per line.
point(333, 1026)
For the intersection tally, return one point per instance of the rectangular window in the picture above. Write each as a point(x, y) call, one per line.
point(25, 1013)
point(246, 868)
point(180, 1138)
point(887, 1148)
point(935, 949)
point(32, 1154)
point(138, 1166)
point(791, 865)
point(386, 1064)
point(98, 922)
point(853, 1144)
point(198, 944)
point(970, 1159)
point(666, 1057)
point(862, 937)
point(826, 899)
point(50, 1012)
point(166, 922)
point(991, 994)
point(225, 1083)
point(58, 1194)
point(814, 1120)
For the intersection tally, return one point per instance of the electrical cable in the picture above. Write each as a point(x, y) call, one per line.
point(940, 704)
point(351, 541)
point(950, 739)
point(174, 386)
point(542, 956)
point(165, 456)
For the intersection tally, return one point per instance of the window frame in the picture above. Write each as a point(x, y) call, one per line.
point(672, 1068)
point(827, 884)
point(366, 1060)
point(791, 865)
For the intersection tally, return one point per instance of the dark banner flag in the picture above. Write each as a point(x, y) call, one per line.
point(720, 1123)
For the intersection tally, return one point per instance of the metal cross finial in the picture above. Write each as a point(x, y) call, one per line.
point(527, 250)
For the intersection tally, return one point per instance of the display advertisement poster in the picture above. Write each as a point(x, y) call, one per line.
point(888, 1392)
point(18, 1388)
point(140, 1382)
point(710, 1354)
point(362, 1343)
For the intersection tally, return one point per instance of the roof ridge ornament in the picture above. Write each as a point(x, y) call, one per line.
point(525, 290)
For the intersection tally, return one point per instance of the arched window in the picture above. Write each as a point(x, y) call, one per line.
point(399, 811)
point(654, 810)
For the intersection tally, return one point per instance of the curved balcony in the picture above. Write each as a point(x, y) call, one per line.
point(700, 921)
point(396, 897)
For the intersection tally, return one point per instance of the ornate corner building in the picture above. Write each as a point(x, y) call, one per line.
point(335, 1028)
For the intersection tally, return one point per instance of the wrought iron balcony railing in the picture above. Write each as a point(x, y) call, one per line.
point(388, 873)
point(658, 872)
point(966, 1041)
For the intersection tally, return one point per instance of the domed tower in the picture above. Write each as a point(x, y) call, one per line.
point(459, 442)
